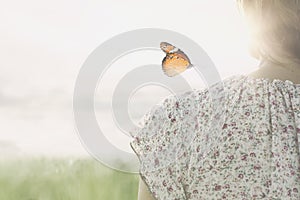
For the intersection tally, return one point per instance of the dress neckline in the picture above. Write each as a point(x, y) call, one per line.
point(273, 81)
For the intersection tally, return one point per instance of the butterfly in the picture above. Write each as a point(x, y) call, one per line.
point(175, 61)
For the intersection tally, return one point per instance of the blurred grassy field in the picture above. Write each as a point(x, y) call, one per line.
point(64, 179)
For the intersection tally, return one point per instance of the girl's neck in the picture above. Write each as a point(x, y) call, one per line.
point(274, 71)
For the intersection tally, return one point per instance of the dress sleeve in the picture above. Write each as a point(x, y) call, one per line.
point(161, 145)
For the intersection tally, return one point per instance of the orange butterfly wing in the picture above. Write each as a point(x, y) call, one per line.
point(175, 63)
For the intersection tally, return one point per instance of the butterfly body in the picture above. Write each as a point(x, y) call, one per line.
point(175, 61)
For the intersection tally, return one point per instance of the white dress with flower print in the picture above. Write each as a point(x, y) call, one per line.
point(258, 159)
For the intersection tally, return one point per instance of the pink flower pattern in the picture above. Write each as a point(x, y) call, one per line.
point(259, 158)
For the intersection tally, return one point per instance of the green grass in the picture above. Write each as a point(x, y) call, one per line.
point(64, 179)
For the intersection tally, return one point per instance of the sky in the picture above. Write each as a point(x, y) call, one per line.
point(43, 45)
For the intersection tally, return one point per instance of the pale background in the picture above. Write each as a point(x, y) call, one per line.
point(44, 43)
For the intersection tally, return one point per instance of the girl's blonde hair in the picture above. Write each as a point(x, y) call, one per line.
point(275, 27)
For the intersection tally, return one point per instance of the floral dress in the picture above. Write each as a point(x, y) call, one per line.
point(258, 154)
